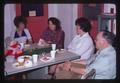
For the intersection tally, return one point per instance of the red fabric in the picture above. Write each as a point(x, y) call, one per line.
point(17, 55)
point(14, 50)
point(14, 46)
point(10, 53)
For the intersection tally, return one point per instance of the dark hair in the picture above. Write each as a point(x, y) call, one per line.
point(56, 22)
point(109, 36)
point(19, 19)
point(84, 23)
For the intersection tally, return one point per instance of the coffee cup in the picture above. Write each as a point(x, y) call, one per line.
point(52, 53)
point(54, 47)
point(35, 58)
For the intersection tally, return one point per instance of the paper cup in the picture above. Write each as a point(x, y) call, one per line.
point(52, 53)
point(35, 58)
point(54, 47)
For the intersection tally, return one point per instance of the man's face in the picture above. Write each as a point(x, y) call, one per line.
point(99, 41)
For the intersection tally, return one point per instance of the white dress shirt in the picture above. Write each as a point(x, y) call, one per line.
point(104, 63)
point(22, 39)
point(82, 45)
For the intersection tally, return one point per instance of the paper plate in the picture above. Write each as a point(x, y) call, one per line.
point(46, 59)
point(26, 64)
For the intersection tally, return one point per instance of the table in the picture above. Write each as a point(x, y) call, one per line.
point(59, 58)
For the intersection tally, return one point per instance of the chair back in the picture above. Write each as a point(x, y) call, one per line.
point(89, 75)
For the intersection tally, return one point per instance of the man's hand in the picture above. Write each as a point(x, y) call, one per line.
point(83, 61)
point(49, 42)
point(42, 42)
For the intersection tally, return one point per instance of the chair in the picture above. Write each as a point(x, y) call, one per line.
point(89, 75)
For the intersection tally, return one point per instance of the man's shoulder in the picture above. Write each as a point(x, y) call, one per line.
point(109, 50)
point(110, 53)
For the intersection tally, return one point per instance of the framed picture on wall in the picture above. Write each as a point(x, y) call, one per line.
point(32, 10)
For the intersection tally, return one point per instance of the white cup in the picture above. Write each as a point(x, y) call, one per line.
point(21, 46)
point(52, 53)
point(53, 47)
point(35, 58)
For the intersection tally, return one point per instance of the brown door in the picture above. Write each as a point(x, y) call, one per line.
point(91, 11)
point(35, 24)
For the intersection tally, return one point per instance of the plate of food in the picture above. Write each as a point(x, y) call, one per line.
point(18, 65)
point(23, 64)
point(25, 57)
point(46, 58)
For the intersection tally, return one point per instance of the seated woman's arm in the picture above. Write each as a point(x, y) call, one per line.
point(30, 41)
point(28, 36)
point(61, 38)
point(44, 37)
point(43, 42)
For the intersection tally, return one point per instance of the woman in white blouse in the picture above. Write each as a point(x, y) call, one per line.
point(21, 34)
point(82, 43)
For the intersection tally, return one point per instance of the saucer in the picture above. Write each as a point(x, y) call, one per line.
point(46, 59)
